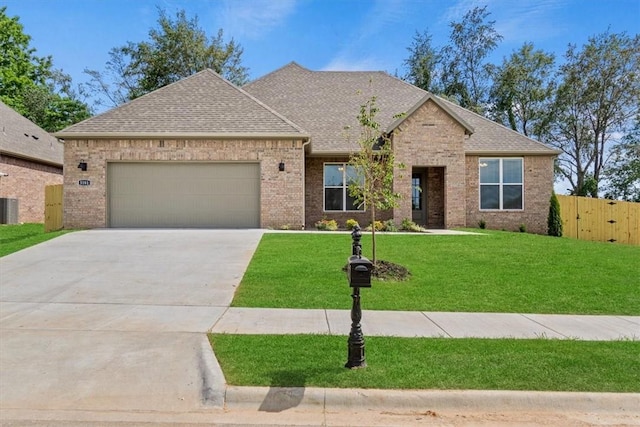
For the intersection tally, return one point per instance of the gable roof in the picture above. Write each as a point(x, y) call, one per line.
point(204, 105)
point(326, 103)
point(20, 137)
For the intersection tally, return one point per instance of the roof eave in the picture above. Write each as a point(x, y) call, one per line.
point(31, 158)
point(549, 152)
point(179, 135)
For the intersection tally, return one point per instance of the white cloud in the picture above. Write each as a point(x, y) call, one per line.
point(254, 18)
point(359, 64)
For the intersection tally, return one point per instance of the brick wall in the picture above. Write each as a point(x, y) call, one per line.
point(281, 193)
point(26, 182)
point(538, 184)
point(430, 137)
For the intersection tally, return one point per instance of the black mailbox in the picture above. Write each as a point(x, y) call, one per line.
point(359, 272)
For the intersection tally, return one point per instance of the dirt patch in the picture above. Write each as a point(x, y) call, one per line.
point(388, 271)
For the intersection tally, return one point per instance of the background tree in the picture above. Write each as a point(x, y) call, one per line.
point(177, 48)
point(623, 175)
point(374, 164)
point(596, 99)
point(30, 85)
point(422, 63)
point(465, 72)
point(522, 90)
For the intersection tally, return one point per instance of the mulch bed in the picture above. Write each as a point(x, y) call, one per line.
point(388, 271)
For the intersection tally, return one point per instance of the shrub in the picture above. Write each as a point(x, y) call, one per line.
point(522, 228)
point(482, 224)
point(377, 224)
point(408, 225)
point(390, 225)
point(351, 223)
point(554, 221)
point(327, 224)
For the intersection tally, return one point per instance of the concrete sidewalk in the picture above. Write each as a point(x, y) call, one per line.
point(240, 320)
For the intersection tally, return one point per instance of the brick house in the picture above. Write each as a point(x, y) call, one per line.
point(30, 159)
point(204, 153)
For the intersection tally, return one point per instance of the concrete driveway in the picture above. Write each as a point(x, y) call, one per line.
point(103, 319)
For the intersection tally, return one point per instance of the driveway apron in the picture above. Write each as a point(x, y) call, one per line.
point(105, 319)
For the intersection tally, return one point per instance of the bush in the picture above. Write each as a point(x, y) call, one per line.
point(351, 223)
point(327, 224)
point(522, 228)
point(482, 224)
point(408, 225)
point(390, 225)
point(554, 221)
point(378, 225)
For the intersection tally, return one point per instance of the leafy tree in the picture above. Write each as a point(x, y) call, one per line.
point(177, 48)
point(623, 175)
point(522, 90)
point(595, 101)
point(374, 164)
point(30, 85)
point(422, 63)
point(465, 74)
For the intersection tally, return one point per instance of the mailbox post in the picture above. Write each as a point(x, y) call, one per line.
point(359, 275)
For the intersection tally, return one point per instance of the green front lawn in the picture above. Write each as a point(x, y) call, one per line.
point(494, 272)
point(19, 236)
point(438, 363)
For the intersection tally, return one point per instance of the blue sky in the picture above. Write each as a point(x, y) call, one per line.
point(318, 34)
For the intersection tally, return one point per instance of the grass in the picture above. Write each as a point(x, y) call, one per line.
point(495, 272)
point(19, 236)
point(438, 363)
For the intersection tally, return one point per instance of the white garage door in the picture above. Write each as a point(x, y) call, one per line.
point(205, 195)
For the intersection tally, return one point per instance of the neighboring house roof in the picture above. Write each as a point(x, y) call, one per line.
point(203, 105)
point(20, 137)
point(326, 104)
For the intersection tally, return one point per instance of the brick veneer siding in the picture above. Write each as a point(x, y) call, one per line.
point(538, 184)
point(314, 197)
point(26, 182)
point(281, 193)
point(431, 137)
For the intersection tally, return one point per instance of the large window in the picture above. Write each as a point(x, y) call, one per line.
point(501, 184)
point(337, 177)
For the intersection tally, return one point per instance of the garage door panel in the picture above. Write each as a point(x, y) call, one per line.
point(215, 195)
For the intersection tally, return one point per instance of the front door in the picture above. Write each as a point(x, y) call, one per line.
point(418, 198)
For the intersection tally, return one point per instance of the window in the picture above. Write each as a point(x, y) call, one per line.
point(337, 177)
point(501, 184)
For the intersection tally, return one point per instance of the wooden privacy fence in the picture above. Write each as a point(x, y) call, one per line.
point(601, 220)
point(52, 208)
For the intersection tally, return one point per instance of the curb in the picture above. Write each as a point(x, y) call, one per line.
point(277, 399)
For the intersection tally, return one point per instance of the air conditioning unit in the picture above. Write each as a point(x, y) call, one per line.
point(8, 211)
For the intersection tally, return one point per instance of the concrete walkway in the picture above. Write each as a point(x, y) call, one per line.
point(238, 320)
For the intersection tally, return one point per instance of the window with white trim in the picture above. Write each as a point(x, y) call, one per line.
point(501, 184)
point(337, 178)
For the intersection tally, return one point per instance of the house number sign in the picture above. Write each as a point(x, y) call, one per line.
point(84, 182)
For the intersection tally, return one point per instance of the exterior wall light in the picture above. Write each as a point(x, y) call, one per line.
point(82, 166)
point(281, 167)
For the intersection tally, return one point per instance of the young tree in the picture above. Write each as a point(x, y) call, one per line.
point(422, 63)
point(554, 219)
point(374, 164)
point(465, 74)
point(595, 101)
point(522, 90)
point(30, 85)
point(623, 174)
point(177, 48)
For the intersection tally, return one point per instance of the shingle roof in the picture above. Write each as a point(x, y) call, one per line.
point(21, 137)
point(202, 105)
point(325, 103)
